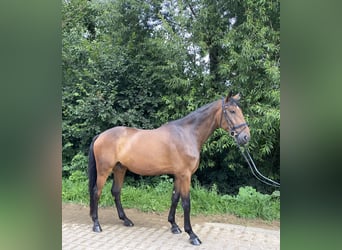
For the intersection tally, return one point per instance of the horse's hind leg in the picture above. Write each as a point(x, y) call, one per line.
point(96, 182)
point(94, 198)
point(96, 193)
point(119, 174)
point(174, 202)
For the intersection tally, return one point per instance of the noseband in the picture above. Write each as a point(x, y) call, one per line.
point(233, 128)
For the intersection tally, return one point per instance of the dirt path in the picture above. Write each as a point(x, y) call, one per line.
point(151, 231)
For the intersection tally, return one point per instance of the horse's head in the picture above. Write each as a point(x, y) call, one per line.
point(234, 121)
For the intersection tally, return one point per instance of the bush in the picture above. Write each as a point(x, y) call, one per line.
point(75, 188)
point(248, 203)
point(251, 204)
point(78, 163)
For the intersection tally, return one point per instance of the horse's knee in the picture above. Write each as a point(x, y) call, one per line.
point(116, 192)
point(175, 197)
point(186, 203)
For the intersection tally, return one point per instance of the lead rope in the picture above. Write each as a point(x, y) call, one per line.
point(255, 171)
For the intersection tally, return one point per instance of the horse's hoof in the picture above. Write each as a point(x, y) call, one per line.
point(195, 241)
point(97, 228)
point(128, 223)
point(176, 230)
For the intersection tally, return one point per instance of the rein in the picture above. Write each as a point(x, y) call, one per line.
point(245, 151)
point(255, 171)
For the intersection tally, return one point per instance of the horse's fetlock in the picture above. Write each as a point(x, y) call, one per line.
point(171, 219)
point(188, 230)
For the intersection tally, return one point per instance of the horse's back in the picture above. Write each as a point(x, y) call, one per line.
point(145, 152)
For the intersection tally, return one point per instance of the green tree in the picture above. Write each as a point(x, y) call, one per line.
point(249, 61)
point(143, 63)
point(242, 43)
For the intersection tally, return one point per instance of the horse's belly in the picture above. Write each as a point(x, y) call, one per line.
point(152, 153)
point(148, 162)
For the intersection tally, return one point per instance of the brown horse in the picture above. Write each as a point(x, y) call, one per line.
point(173, 148)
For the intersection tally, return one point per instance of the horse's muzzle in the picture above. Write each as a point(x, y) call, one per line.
point(242, 138)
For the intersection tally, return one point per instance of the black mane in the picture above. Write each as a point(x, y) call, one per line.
point(197, 115)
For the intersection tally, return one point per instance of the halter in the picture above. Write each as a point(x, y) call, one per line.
point(232, 128)
point(245, 151)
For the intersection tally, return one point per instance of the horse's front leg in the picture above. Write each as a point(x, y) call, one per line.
point(187, 225)
point(174, 202)
point(185, 195)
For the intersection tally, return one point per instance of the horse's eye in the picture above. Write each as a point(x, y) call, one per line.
point(232, 111)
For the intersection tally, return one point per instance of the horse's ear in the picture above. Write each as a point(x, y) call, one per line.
point(229, 95)
point(237, 96)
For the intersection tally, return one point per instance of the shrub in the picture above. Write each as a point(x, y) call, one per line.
point(78, 163)
point(251, 204)
point(248, 203)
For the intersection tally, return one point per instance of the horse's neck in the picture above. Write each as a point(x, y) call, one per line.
point(202, 122)
point(205, 129)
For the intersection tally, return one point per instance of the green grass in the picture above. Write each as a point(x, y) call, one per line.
point(248, 203)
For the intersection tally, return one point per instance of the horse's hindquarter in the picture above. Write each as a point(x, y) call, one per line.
point(157, 151)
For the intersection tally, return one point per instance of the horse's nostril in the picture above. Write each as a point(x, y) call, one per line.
point(246, 138)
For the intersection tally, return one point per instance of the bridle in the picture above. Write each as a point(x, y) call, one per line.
point(244, 150)
point(233, 128)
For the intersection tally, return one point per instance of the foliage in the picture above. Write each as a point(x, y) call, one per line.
point(248, 203)
point(75, 188)
point(144, 63)
point(79, 163)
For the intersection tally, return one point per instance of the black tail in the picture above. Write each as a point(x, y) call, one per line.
point(92, 175)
